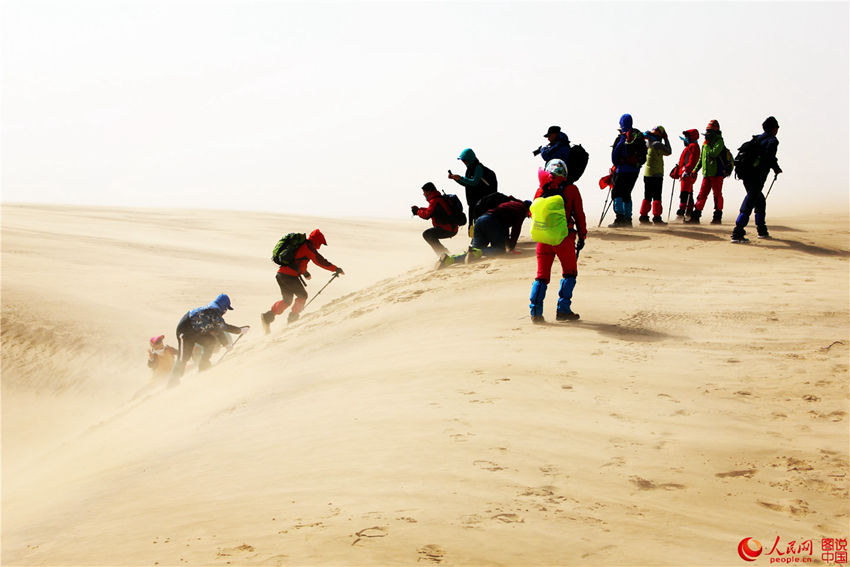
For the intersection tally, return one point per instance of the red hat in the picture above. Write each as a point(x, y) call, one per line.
point(713, 125)
point(317, 238)
point(157, 339)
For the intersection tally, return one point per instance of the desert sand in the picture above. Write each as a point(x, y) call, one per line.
point(415, 416)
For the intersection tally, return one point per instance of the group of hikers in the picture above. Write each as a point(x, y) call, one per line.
point(559, 227)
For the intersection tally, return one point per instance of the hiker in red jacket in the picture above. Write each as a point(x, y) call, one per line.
point(686, 171)
point(439, 212)
point(289, 279)
point(553, 180)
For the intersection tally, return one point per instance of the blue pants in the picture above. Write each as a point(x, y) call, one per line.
point(489, 235)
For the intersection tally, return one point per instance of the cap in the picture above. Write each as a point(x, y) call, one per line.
point(223, 302)
point(317, 238)
point(157, 339)
point(552, 130)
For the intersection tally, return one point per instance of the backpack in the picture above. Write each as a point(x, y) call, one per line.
point(549, 219)
point(488, 179)
point(747, 159)
point(636, 148)
point(204, 321)
point(456, 216)
point(726, 162)
point(284, 251)
point(487, 202)
point(576, 163)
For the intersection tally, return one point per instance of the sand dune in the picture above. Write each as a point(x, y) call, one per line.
point(415, 416)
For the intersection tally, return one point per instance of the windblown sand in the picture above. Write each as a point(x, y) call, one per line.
point(415, 416)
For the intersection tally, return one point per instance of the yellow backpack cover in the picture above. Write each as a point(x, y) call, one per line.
point(549, 220)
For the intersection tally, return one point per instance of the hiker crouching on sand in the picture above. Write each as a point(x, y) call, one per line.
point(289, 278)
point(496, 231)
point(203, 326)
point(161, 356)
point(557, 219)
point(439, 212)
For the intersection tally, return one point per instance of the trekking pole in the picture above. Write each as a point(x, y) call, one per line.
point(775, 175)
point(670, 208)
point(604, 208)
point(336, 275)
point(231, 347)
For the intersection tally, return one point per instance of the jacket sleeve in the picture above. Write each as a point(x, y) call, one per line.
point(433, 207)
point(518, 217)
point(475, 179)
point(318, 259)
point(578, 214)
point(664, 147)
point(618, 153)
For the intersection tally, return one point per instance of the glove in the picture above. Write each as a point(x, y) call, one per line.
point(244, 330)
point(414, 209)
point(228, 348)
point(307, 275)
point(579, 245)
point(339, 271)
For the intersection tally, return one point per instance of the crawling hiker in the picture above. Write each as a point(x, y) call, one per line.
point(203, 326)
point(293, 257)
point(161, 356)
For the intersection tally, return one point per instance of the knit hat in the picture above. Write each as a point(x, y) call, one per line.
point(713, 125)
point(769, 124)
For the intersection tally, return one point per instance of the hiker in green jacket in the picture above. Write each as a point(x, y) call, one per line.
point(712, 174)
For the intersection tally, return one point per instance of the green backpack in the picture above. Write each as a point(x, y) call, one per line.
point(549, 220)
point(284, 251)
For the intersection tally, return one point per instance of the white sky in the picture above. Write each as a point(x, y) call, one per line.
point(347, 108)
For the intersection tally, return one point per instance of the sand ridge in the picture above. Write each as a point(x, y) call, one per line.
point(416, 416)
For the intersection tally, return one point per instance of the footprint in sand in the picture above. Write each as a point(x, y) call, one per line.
point(644, 484)
point(748, 473)
point(374, 531)
point(488, 466)
point(431, 553)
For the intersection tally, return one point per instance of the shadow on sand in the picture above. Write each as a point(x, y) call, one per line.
point(614, 331)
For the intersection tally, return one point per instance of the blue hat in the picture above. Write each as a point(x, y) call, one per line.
point(223, 302)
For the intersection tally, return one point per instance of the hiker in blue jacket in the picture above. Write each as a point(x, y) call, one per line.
point(755, 200)
point(627, 157)
point(203, 326)
point(558, 146)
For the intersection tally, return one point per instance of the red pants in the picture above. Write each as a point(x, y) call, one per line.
point(715, 184)
point(566, 253)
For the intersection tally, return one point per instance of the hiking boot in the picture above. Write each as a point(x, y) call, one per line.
point(618, 222)
point(473, 254)
point(763, 233)
point(537, 319)
point(445, 261)
point(568, 316)
point(717, 216)
point(644, 219)
point(693, 218)
point(292, 317)
point(658, 220)
point(680, 213)
point(267, 318)
point(740, 240)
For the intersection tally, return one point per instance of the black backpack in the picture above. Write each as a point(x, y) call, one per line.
point(488, 179)
point(726, 162)
point(636, 149)
point(747, 159)
point(456, 216)
point(576, 163)
point(284, 251)
point(488, 202)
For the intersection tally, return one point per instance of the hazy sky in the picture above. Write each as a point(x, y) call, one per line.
point(347, 108)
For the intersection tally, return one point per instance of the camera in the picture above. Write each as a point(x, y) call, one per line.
point(537, 151)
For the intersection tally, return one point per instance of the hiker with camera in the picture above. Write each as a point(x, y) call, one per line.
point(293, 253)
point(203, 326)
point(557, 148)
point(753, 163)
point(479, 180)
point(441, 214)
point(627, 156)
point(712, 169)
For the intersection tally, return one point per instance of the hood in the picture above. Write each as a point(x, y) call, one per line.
point(467, 156)
point(563, 138)
point(691, 135)
point(626, 122)
point(317, 238)
point(222, 302)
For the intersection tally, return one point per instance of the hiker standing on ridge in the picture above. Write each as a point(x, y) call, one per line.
point(685, 171)
point(653, 175)
point(558, 146)
point(479, 180)
point(203, 326)
point(296, 257)
point(440, 212)
point(754, 179)
point(628, 155)
point(712, 174)
point(557, 218)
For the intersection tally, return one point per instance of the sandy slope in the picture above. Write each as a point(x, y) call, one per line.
point(416, 416)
